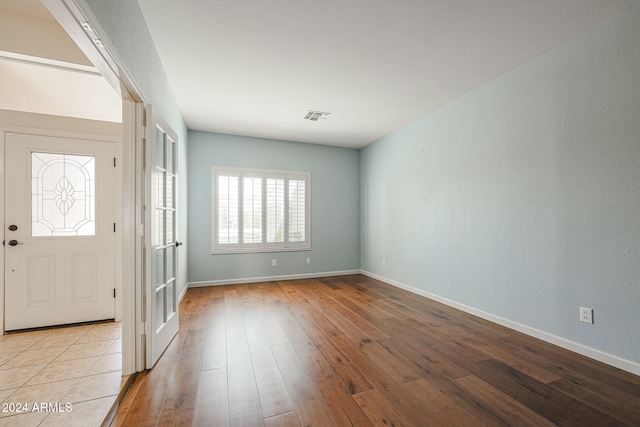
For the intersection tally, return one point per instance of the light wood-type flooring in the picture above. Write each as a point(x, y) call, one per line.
point(353, 351)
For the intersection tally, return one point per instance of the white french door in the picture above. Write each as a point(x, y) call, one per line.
point(162, 289)
point(59, 230)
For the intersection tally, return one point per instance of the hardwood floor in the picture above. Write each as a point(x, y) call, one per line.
point(350, 350)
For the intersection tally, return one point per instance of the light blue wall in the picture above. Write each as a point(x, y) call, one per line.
point(127, 30)
point(522, 198)
point(335, 206)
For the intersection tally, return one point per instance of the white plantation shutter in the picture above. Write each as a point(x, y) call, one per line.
point(297, 210)
point(252, 209)
point(256, 210)
point(275, 210)
point(227, 209)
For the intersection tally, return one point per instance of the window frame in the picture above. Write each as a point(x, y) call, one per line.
point(264, 246)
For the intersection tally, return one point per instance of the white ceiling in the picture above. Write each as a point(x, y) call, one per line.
point(256, 67)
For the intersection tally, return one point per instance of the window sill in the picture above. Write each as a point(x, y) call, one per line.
point(259, 250)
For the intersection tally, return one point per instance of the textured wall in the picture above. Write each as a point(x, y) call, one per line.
point(127, 30)
point(335, 206)
point(522, 197)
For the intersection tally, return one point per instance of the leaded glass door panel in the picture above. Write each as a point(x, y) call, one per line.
point(59, 231)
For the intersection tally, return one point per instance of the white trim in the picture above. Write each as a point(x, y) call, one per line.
point(183, 293)
point(609, 359)
point(118, 206)
point(271, 278)
point(95, 44)
point(46, 62)
point(2, 272)
point(21, 121)
point(55, 133)
point(127, 294)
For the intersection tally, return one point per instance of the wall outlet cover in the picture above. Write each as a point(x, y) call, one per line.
point(586, 315)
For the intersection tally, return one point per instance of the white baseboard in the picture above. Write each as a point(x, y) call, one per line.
point(609, 359)
point(183, 293)
point(271, 278)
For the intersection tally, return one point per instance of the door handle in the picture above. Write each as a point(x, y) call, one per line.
point(178, 244)
point(14, 243)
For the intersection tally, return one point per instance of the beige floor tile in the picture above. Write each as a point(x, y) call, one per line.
point(5, 357)
point(34, 357)
point(64, 370)
point(17, 377)
point(80, 351)
point(6, 393)
point(26, 376)
point(30, 419)
point(115, 347)
point(108, 325)
point(56, 341)
point(70, 330)
point(51, 392)
point(106, 363)
point(95, 387)
point(29, 337)
point(90, 413)
point(101, 334)
point(14, 346)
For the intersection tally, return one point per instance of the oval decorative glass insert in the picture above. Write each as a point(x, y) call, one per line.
point(64, 195)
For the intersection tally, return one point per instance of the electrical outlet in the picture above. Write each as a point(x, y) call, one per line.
point(274, 263)
point(384, 262)
point(586, 315)
point(308, 260)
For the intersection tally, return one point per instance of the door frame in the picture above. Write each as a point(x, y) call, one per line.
point(76, 17)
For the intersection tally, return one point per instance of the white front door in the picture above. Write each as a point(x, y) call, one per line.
point(59, 230)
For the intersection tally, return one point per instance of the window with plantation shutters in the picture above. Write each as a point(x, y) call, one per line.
point(259, 210)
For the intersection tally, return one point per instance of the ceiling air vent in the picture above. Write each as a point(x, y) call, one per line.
point(315, 115)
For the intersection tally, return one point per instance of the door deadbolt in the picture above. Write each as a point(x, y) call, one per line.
point(13, 243)
point(13, 227)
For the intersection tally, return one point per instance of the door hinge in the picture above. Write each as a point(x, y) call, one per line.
point(114, 162)
point(114, 227)
point(142, 329)
point(114, 292)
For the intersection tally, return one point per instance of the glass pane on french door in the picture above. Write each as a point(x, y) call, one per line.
point(164, 236)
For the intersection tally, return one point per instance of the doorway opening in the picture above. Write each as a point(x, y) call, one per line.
point(61, 129)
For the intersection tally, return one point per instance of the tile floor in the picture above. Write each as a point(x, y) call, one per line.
point(76, 372)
